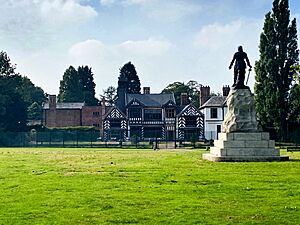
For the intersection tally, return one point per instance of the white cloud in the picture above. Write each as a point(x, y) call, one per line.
point(150, 47)
point(89, 52)
point(107, 2)
point(65, 11)
point(138, 2)
point(171, 11)
point(214, 36)
point(167, 10)
point(31, 22)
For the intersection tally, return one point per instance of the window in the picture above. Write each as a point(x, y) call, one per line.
point(170, 113)
point(96, 114)
point(214, 113)
point(153, 115)
point(191, 121)
point(115, 123)
point(135, 112)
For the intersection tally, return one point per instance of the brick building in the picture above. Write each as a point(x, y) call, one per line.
point(58, 114)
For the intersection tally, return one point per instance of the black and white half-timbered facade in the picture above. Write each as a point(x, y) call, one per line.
point(151, 116)
point(115, 125)
point(190, 123)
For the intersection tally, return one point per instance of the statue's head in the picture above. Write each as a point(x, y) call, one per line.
point(240, 48)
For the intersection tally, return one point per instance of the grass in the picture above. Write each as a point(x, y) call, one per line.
point(101, 186)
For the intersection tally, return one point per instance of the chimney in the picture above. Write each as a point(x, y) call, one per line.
point(146, 90)
point(103, 107)
point(204, 94)
point(52, 101)
point(226, 90)
point(184, 99)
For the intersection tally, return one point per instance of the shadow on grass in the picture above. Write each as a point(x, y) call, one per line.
point(294, 160)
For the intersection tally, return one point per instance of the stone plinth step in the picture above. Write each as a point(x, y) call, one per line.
point(244, 151)
point(240, 136)
point(245, 144)
point(214, 158)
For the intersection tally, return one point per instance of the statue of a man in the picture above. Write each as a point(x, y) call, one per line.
point(240, 68)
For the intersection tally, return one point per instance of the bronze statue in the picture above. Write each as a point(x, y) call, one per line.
point(240, 68)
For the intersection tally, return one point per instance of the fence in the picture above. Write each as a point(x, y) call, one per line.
point(86, 139)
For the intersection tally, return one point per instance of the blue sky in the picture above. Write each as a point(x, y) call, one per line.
point(167, 40)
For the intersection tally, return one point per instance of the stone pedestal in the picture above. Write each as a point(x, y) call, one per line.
point(240, 147)
point(242, 138)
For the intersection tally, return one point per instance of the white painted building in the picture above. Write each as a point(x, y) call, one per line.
point(214, 110)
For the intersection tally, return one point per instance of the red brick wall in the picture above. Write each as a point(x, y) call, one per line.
point(91, 116)
point(62, 118)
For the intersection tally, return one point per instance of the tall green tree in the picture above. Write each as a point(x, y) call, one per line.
point(134, 84)
point(278, 51)
point(69, 89)
point(87, 85)
point(12, 106)
point(294, 98)
point(78, 86)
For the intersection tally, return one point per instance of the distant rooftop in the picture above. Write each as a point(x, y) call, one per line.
point(215, 101)
point(66, 105)
point(153, 100)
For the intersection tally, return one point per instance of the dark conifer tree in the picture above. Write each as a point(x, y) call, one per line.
point(78, 86)
point(134, 84)
point(12, 106)
point(87, 85)
point(278, 51)
point(69, 90)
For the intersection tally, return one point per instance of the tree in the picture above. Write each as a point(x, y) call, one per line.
point(278, 51)
point(110, 95)
point(69, 90)
point(134, 84)
point(191, 88)
point(294, 97)
point(12, 106)
point(78, 86)
point(28, 91)
point(6, 68)
point(34, 111)
point(87, 85)
point(194, 94)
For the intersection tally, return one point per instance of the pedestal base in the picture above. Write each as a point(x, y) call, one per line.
point(244, 147)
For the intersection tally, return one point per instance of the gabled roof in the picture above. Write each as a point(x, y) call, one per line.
point(190, 110)
point(66, 105)
point(135, 102)
point(150, 100)
point(215, 101)
point(114, 113)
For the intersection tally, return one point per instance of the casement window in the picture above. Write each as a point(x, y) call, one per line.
point(213, 113)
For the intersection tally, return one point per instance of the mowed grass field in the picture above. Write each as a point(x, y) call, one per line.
point(113, 186)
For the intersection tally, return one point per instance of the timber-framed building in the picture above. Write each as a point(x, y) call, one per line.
point(149, 116)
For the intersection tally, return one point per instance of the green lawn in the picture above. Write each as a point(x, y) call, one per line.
point(100, 186)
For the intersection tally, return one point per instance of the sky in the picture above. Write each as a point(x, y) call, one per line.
point(166, 40)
